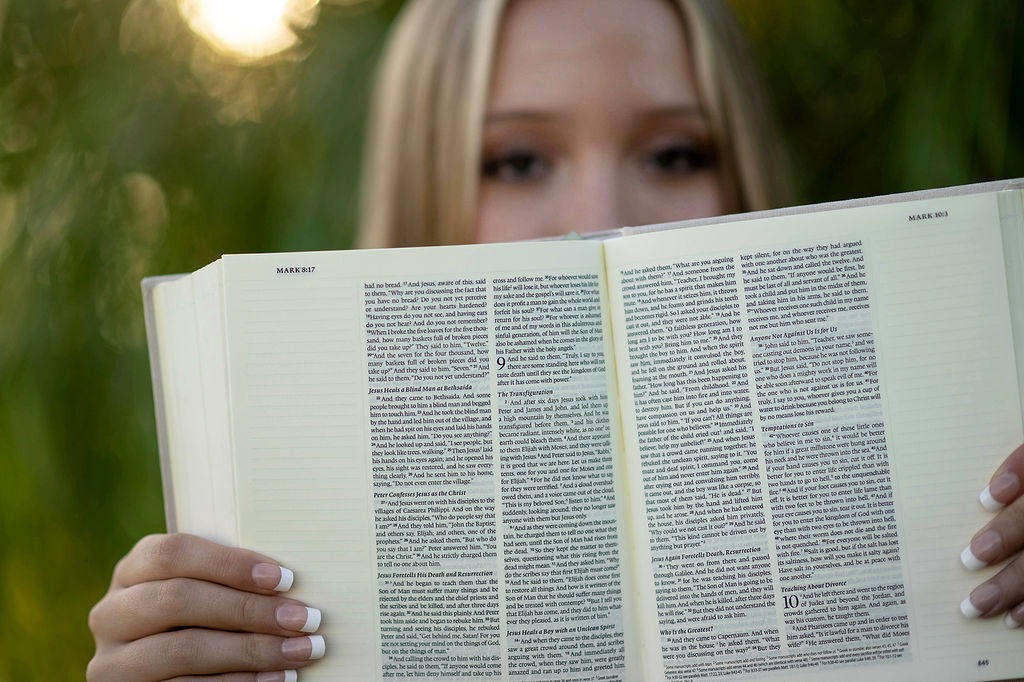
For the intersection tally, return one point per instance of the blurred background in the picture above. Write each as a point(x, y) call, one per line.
point(142, 137)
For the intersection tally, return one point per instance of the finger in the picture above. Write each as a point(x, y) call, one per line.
point(195, 651)
point(1005, 590)
point(1015, 616)
point(1005, 485)
point(1000, 538)
point(276, 676)
point(178, 555)
point(229, 677)
point(157, 606)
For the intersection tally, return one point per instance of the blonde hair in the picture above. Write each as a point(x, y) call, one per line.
point(421, 174)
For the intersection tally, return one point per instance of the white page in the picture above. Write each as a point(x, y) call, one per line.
point(299, 385)
point(175, 308)
point(944, 352)
point(189, 321)
point(212, 402)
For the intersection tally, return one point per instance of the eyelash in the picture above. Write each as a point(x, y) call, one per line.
point(679, 159)
point(526, 165)
point(518, 165)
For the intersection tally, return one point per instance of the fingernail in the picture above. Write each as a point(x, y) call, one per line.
point(1005, 486)
point(279, 676)
point(1010, 621)
point(967, 608)
point(271, 577)
point(970, 561)
point(982, 551)
point(304, 648)
point(981, 600)
point(295, 617)
point(985, 548)
point(988, 502)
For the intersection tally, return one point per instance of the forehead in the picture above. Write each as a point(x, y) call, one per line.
point(554, 53)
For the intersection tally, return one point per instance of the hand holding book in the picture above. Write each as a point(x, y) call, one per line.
point(1000, 539)
point(181, 605)
point(747, 447)
point(182, 593)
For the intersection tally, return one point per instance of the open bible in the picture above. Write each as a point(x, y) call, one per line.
point(745, 446)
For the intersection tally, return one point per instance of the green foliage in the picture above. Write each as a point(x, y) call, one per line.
point(128, 148)
point(875, 98)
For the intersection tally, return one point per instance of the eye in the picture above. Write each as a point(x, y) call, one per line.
point(516, 166)
point(679, 159)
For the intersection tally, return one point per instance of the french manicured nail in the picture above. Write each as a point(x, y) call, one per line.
point(1005, 486)
point(271, 577)
point(280, 676)
point(304, 648)
point(987, 501)
point(298, 618)
point(968, 559)
point(1010, 621)
point(981, 600)
point(982, 551)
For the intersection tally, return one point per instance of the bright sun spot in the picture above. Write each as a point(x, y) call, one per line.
point(249, 29)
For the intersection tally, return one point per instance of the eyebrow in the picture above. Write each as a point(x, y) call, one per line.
point(683, 110)
point(521, 115)
point(687, 110)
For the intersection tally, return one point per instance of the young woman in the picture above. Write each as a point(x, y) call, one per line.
point(497, 121)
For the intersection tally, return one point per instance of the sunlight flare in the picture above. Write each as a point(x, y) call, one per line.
point(249, 29)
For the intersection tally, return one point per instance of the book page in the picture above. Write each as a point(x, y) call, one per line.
point(174, 313)
point(429, 438)
point(811, 405)
point(213, 403)
point(189, 324)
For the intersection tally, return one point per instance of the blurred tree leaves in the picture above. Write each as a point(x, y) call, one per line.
point(128, 148)
point(876, 97)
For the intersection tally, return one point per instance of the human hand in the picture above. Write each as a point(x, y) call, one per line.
point(180, 606)
point(1001, 538)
